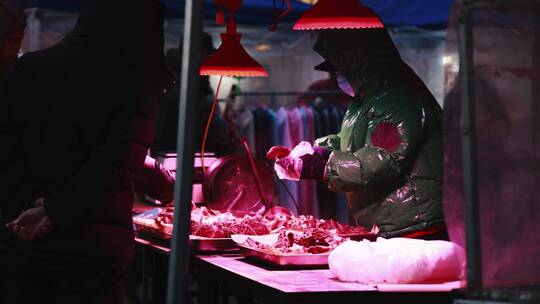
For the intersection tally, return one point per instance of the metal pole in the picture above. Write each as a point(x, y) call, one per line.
point(470, 187)
point(189, 95)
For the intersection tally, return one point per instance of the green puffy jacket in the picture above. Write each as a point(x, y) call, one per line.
point(388, 154)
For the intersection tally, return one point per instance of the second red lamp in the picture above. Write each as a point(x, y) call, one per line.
point(231, 59)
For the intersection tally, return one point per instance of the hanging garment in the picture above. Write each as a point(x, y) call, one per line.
point(328, 201)
point(296, 126)
point(335, 120)
point(263, 131)
point(283, 138)
point(310, 137)
point(245, 125)
point(307, 191)
point(317, 123)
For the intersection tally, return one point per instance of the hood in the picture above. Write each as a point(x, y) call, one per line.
point(360, 55)
point(131, 31)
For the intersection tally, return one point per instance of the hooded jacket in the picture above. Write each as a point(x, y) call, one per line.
point(388, 155)
point(76, 121)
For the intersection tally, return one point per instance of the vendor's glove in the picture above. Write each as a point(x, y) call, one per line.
point(289, 168)
point(312, 167)
point(303, 162)
point(278, 152)
point(321, 153)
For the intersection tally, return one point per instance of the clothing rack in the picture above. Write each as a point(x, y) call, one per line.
point(292, 93)
point(274, 95)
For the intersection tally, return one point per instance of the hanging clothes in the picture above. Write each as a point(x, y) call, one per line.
point(309, 135)
point(296, 126)
point(264, 128)
point(285, 189)
point(244, 124)
point(264, 131)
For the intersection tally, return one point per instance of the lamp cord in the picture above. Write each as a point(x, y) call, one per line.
point(205, 137)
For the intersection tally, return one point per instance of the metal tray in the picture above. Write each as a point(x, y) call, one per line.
point(198, 244)
point(212, 245)
point(152, 232)
point(285, 260)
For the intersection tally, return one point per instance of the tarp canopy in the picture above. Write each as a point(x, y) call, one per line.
point(261, 12)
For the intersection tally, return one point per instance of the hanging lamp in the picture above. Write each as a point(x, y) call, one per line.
point(338, 14)
point(231, 59)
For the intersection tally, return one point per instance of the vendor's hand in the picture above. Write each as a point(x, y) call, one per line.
point(321, 153)
point(32, 223)
point(288, 168)
point(312, 167)
point(278, 152)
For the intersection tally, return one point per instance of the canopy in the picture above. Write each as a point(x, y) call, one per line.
point(261, 12)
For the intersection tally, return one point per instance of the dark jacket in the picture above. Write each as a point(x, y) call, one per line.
point(388, 155)
point(76, 123)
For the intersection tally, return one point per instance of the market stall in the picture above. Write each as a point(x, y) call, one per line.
point(252, 269)
point(242, 260)
point(323, 200)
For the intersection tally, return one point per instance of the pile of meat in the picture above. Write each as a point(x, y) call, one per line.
point(310, 241)
point(209, 223)
point(308, 231)
point(309, 222)
point(214, 224)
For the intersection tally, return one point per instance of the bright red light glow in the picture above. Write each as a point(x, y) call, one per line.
point(342, 14)
point(231, 59)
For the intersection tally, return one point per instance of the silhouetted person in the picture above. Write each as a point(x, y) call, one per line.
point(12, 24)
point(76, 121)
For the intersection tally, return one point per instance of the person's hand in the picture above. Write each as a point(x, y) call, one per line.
point(278, 152)
point(312, 167)
point(288, 168)
point(321, 153)
point(32, 223)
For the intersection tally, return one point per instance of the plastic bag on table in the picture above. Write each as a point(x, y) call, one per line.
point(397, 261)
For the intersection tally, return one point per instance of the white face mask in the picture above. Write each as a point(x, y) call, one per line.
point(344, 85)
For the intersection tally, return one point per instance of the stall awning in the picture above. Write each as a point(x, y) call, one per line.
point(261, 12)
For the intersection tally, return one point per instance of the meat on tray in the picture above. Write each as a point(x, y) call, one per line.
point(309, 241)
point(210, 223)
point(307, 222)
point(214, 224)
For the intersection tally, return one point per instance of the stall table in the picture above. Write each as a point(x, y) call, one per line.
point(221, 274)
point(239, 275)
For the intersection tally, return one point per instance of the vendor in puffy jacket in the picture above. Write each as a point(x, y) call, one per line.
point(76, 122)
point(387, 157)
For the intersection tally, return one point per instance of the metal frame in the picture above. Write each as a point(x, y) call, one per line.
point(470, 187)
point(189, 94)
point(471, 208)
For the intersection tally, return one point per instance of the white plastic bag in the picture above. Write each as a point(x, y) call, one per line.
point(397, 261)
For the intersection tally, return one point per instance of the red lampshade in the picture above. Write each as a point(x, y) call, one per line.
point(231, 59)
point(338, 14)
